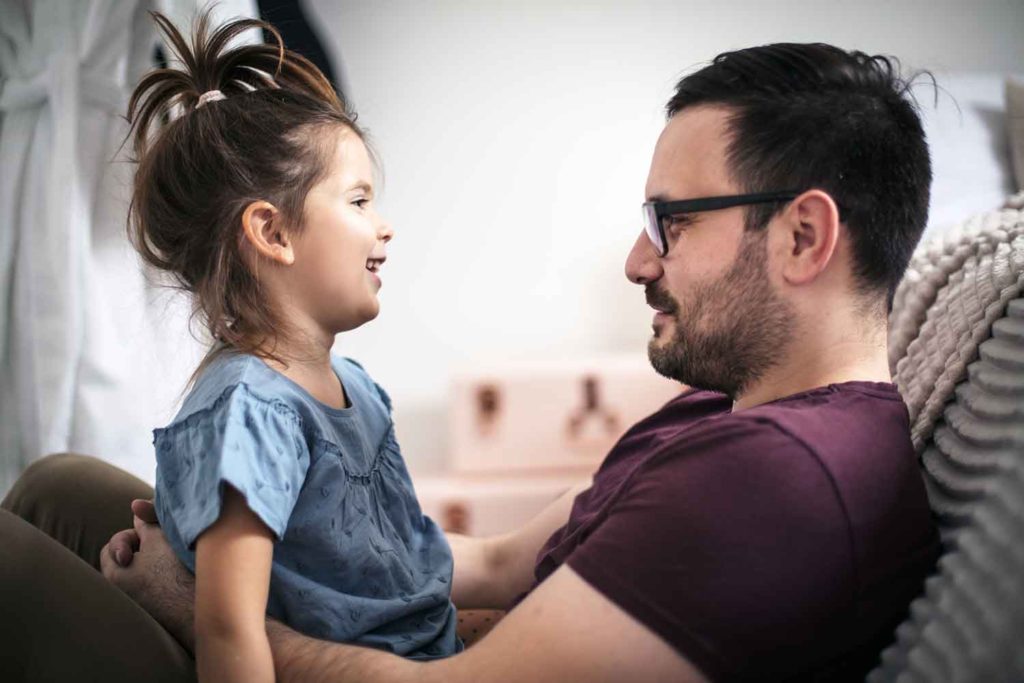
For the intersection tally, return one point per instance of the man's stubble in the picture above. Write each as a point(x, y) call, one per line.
point(729, 332)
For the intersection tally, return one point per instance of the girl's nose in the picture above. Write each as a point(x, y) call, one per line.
point(384, 231)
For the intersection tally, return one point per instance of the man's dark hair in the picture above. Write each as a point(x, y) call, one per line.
point(815, 116)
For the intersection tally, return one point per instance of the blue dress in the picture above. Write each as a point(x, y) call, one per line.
point(355, 560)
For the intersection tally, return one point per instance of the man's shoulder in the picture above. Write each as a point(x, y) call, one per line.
point(838, 432)
point(817, 419)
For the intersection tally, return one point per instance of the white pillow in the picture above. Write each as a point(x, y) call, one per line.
point(1015, 114)
point(967, 135)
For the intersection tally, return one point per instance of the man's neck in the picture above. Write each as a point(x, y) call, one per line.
point(818, 366)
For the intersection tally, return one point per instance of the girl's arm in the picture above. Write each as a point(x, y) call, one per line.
point(233, 558)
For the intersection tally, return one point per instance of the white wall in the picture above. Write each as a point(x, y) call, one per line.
point(515, 140)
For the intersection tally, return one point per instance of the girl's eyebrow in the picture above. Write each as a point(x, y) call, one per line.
point(361, 185)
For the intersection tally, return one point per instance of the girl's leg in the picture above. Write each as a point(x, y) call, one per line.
point(61, 619)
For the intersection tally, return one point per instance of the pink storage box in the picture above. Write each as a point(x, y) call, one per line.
point(550, 416)
point(488, 506)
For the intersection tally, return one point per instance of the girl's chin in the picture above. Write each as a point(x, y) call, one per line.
point(357, 319)
point(372, 311)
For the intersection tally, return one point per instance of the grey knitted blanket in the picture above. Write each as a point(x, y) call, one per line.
point(957, 343)
point(955, 288)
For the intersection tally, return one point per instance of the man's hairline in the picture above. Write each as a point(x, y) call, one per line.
point(868, 301)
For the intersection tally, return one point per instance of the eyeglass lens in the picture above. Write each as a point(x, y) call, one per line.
point(650, 217)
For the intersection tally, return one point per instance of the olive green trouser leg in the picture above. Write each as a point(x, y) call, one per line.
point(60, 620)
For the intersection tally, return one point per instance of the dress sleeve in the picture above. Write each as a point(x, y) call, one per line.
point(253, 444)
point(732, 547)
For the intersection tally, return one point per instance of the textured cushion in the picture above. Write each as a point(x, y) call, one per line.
point(955, 287)
point(967, 625)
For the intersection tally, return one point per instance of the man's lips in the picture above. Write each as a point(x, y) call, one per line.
point(661, 319)
point(661, 302)
point(664, 307)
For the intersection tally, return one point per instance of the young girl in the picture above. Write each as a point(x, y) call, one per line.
point(279, 483)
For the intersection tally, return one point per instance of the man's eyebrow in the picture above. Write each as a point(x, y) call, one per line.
point(656, 198)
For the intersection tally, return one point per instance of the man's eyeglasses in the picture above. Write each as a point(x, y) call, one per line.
point(656, 212)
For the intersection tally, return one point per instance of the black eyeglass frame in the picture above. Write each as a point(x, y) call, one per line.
point(653, 212)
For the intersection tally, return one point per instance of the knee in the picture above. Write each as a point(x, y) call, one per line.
point(48, 478)
point(52, 465)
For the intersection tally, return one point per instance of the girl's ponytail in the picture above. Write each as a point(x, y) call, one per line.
point(210, 66)
point(203, 157)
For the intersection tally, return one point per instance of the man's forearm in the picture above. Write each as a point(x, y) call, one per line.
point(174, 608)
point(299, 658)
point(490, 573)
point(477, 579)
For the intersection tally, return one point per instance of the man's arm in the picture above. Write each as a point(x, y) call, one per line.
point(570, 631)
point(566, 629)
point(491, 572)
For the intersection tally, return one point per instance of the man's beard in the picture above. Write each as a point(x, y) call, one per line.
point(730, 332)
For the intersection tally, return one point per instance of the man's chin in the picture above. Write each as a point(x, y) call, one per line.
point(663, 330)
point(662, 360)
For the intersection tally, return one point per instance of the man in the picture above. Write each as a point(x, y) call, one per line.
point(772, 525)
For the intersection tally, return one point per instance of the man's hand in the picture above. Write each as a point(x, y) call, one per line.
point(124, 544)
point(140, 562)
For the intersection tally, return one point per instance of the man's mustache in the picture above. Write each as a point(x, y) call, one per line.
point(659, 299)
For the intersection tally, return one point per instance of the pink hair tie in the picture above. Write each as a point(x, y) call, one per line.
point(210, 96)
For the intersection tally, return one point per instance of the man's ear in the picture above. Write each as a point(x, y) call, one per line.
point(811, 225)
point(263, 231)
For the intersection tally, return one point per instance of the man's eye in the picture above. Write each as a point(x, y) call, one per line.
point(675, 222)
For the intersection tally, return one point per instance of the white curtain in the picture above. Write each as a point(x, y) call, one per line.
point(93, 354)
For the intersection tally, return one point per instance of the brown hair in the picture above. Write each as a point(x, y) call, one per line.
point(269, 139)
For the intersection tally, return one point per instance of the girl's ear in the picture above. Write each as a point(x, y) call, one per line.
point(262, 229)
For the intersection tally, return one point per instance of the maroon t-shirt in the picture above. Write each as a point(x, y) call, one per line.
point(783, 541)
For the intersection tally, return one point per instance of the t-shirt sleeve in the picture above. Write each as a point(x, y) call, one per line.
point(732, 546)
point(250, 443)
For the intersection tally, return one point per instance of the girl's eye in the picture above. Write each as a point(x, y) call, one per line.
point(361, 202)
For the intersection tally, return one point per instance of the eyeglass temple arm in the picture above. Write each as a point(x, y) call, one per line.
point(714, 203)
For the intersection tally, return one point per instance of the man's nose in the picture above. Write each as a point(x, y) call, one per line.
point(643, 265)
